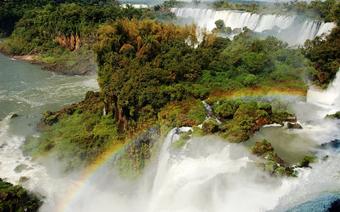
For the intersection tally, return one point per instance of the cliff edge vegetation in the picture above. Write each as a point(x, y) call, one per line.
point(154, 74)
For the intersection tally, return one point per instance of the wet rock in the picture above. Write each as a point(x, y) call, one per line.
point(261, 148)
point(292, 125)
point(20, 168)
point(3, 145)
point(334, 144)
point(14, 115)
point(237, 30)
point(291, 119)
point(334, 116)
point(325, 157)
point(335, 206)
point(23, 179)
point(273, 163)
point(306, 161)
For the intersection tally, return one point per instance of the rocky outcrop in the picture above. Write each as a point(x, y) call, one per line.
point(273, 163)
point(334, 116)
point(134, 157)
point(334, 144)
point(294, 125)
point(16, 198)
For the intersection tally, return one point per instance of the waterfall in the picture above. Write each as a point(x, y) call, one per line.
point(329, 98)
point(294, 30)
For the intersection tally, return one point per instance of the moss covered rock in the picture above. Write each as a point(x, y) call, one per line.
point(307, 160)
point(334, 116)
point(210, 126)
point(15, 198)
point(273, 163)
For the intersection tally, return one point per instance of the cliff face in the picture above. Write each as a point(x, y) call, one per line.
point(71, 42)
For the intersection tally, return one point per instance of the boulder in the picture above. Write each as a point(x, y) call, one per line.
point(210, 126)
point(14, 115)
point(334, 116)
point(20, 168)
point(292, 119)
point(292, 125)
point(23, 179)
point(334, 144)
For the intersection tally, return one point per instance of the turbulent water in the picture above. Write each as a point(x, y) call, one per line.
point(294, 30)
point(211, 175)
point(206, 175)
point(27, 91)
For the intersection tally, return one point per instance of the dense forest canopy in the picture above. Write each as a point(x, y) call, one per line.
point(145, 64)
point(39, 27)
point(13, 10)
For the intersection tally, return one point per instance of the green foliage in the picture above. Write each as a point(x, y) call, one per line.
point(40, 27)
point(210, 126)
point(225, 109)
point(16, 198)
point(184, 137)
point(77, 138)
point(12, 11)
point(219, 24)
point(261, 148)
point(151, 72)
point(334, 116)
point(148, 64)
point(185, 113)
point(221, 28)
point(134, 156)
point(273, 163)
point(324, 54)
point(307, 160)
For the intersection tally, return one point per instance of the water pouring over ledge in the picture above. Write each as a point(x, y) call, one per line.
point(294, 30)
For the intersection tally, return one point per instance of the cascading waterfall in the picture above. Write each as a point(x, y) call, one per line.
point(329, 98)
point(294, 30)
point(211, 175)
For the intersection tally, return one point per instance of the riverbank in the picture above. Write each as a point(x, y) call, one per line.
point(60, 61)
point(28, 91)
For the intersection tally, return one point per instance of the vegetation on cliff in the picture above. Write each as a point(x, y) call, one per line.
point(16, 198)
point(155, 74)
point(325, 56)
point(143, 65)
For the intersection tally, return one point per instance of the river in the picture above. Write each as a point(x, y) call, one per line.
point(28, 91)
point(207, 175)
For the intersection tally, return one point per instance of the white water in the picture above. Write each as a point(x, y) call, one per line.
point(292, 29)
point(28, 91)
point(329, 99)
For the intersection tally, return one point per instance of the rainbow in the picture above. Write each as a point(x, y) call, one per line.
point(87, 174)
point(109, 153)
point(259, 92)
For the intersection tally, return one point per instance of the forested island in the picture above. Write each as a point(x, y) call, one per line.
point(155, 75)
